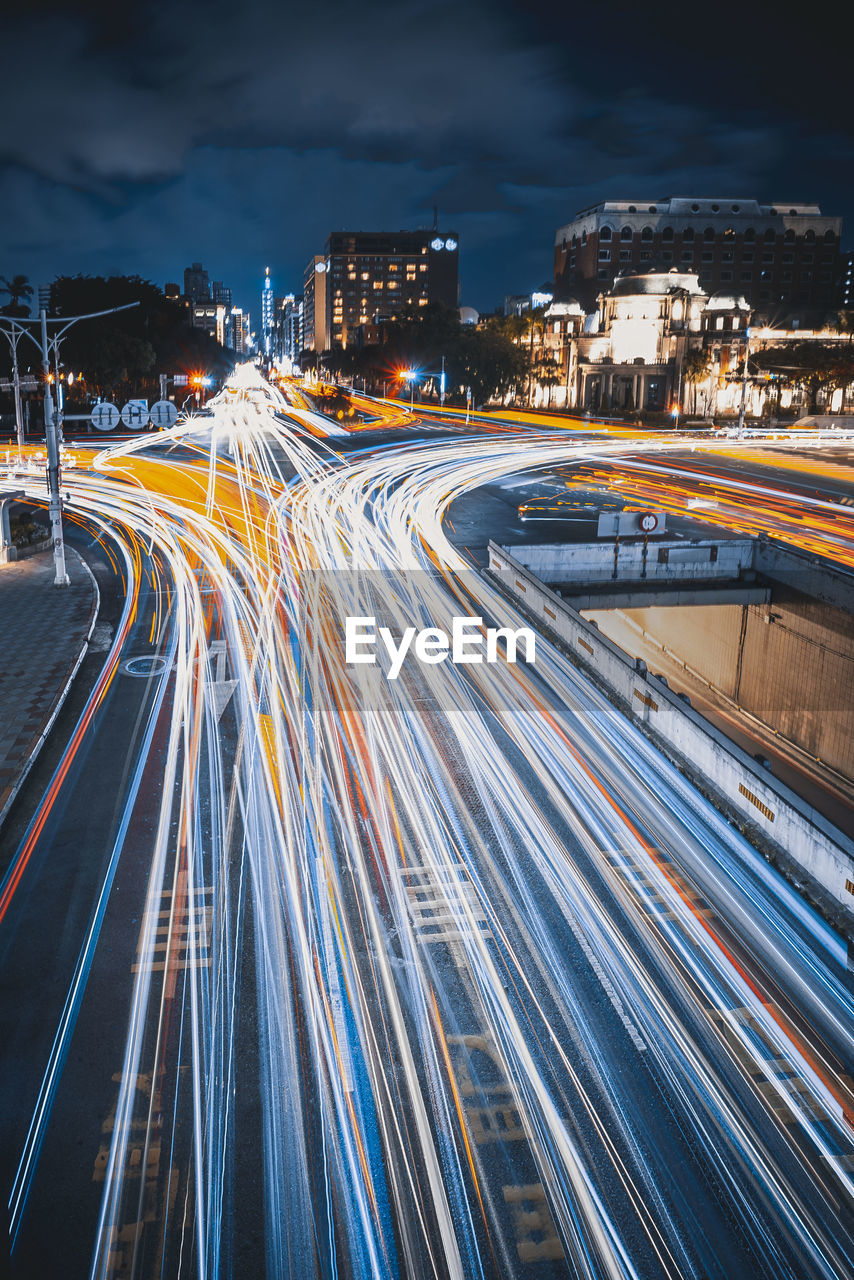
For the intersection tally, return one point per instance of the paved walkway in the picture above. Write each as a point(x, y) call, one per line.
point(42, 630)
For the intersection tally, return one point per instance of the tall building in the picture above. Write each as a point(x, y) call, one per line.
point(267, 309)
point(372, 276)
point(315, 330)
point(846, 286)
point(213, 317)
point(289, 327)
point(779, 257)
point(238, 325)
point(197, 285)
point(219, 293)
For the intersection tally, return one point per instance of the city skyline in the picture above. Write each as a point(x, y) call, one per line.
point(178, 135)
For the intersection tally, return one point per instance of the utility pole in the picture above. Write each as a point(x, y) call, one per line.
point(61, 578)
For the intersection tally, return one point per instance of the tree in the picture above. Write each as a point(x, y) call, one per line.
point(844, 323)
point(488, 362)
point(815, 366)
point(17, 289)
point(695, 368)
point(547, 374)
point(125, 351)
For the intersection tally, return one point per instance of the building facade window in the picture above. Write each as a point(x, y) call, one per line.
point(626, 233)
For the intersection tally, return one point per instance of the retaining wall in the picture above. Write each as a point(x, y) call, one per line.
point(746, 790)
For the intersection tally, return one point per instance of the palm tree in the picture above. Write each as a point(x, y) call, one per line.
point(18, 288)
point(695, 368)
point(547, 374)
point(844, 323)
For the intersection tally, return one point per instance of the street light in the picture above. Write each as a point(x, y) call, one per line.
point(410, 376)
point(46, 348)
point(744, 379)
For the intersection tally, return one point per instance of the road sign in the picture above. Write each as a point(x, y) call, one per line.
point(25, 384)
point(105, 417)
point(163, 414)
point(135, 414)
point(627, 524)
point(181, 380)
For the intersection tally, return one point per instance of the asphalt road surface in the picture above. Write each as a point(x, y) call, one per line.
point(307, 971)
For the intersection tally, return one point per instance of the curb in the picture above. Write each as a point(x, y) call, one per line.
point(57, 707)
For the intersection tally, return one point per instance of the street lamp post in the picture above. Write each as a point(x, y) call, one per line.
point(54, 505)
point(54, 477)
point(14, 336)
point(744, 379)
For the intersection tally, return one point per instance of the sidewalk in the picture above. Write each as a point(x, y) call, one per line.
point(42, 632)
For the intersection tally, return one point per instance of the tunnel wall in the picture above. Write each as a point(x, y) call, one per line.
point(790, 664)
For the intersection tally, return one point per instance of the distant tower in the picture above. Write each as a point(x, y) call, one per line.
point(267, 314)
point(197, 283)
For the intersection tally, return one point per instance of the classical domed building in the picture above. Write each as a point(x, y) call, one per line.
point(655, 340)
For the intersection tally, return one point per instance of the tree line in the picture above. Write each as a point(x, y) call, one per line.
point(119, 355)
point(484, 358)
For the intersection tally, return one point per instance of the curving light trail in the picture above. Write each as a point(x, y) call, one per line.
point(526, 1003)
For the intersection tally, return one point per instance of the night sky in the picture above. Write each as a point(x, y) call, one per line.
point(137, 137)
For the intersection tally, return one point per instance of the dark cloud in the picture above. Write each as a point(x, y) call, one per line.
point(242, 134)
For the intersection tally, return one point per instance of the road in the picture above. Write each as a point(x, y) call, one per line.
point(310, 972)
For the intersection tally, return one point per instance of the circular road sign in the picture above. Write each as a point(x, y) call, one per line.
point(649, 522)
point(135, 414)
point(163, 414)
point(104, 417)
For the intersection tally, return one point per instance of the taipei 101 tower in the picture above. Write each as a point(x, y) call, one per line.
point(267, 314)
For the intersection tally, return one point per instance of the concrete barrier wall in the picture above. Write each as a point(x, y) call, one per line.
point(663, 560)
point(786, 821)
